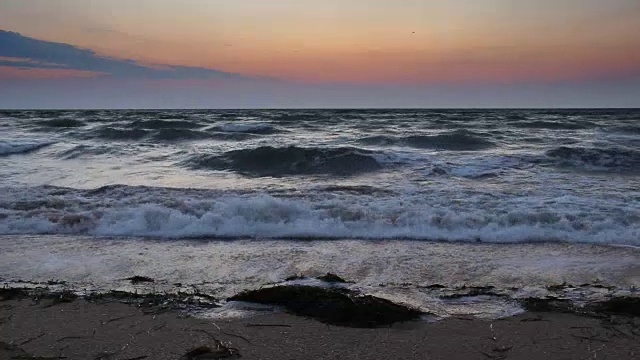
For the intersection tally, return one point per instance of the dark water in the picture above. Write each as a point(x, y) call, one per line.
point(487, 175)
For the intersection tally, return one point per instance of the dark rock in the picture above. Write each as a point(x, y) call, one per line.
point(12, 294)
point(332, 278)
point(621, 305)
point(549, 304)
point(332, 306)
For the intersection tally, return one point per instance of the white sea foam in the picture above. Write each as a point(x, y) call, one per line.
point(149, 212)
point(399, 271)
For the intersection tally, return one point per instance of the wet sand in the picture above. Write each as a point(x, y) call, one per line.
point(111, 330)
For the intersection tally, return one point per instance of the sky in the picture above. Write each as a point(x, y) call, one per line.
point(329, 53)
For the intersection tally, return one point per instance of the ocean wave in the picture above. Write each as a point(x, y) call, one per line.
point(183, 213)
point(62, 123)
point(460, 140)
point(553, 125)
point(479, 168)
point(164, 124)
point(293, 160)
point(626, 129)
point(616, 158)
point(21, 146)
point(170, 134)
point(80, 151)
point(247, 127)
point(295, 117)
point(117, 133)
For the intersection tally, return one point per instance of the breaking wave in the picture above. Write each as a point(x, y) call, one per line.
point(629, 129)
point(170, 134)
point(19, 146)
point(460, 140)
point(115, 133)
point(623, 159)
point(293, 160)
point(184, 213)
point(164, 124)
point(553, 125)
point(62, 123)
point(80, 151)
point(247, 127)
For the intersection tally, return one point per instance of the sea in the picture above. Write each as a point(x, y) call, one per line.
point(416, 206)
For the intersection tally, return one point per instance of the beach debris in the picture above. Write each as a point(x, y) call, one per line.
point(25, 342)
point(117, 319)
point(333, 306)
point(140, 279)
point(267, 325)
point(222, 332)
point(533, 318)
point(63, 297)
point(332, 278)
point(218, 351)
point(56, 282)
point(558, 287)
point(494, 356)
point(502, 349)
point(105, 355)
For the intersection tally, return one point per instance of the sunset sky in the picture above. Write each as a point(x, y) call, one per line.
point(329, 53)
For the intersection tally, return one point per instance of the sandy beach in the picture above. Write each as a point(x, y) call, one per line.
point(83, 330)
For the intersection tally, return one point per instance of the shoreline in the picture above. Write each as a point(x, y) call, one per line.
point(109, 329)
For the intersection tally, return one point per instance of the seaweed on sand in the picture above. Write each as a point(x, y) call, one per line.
point(332, 306)
point(157, 302)
point(219, 351)
point(140, 279)
point(14, 352)
point(625, 305)
point(63, 297)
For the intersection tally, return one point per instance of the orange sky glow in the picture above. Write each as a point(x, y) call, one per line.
point(363, 41)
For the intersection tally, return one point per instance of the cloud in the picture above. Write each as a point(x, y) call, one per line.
point(25, 52)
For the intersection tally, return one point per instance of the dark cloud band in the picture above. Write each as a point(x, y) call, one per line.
point(34, 53)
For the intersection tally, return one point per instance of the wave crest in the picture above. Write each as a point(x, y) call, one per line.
point(248, 127)
point(552, 125)
point(19, 146)
point(594, 158)
point(62, 123)
point(186, 213)
point(164, 124)
point(273, 161)
point(460, 140)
